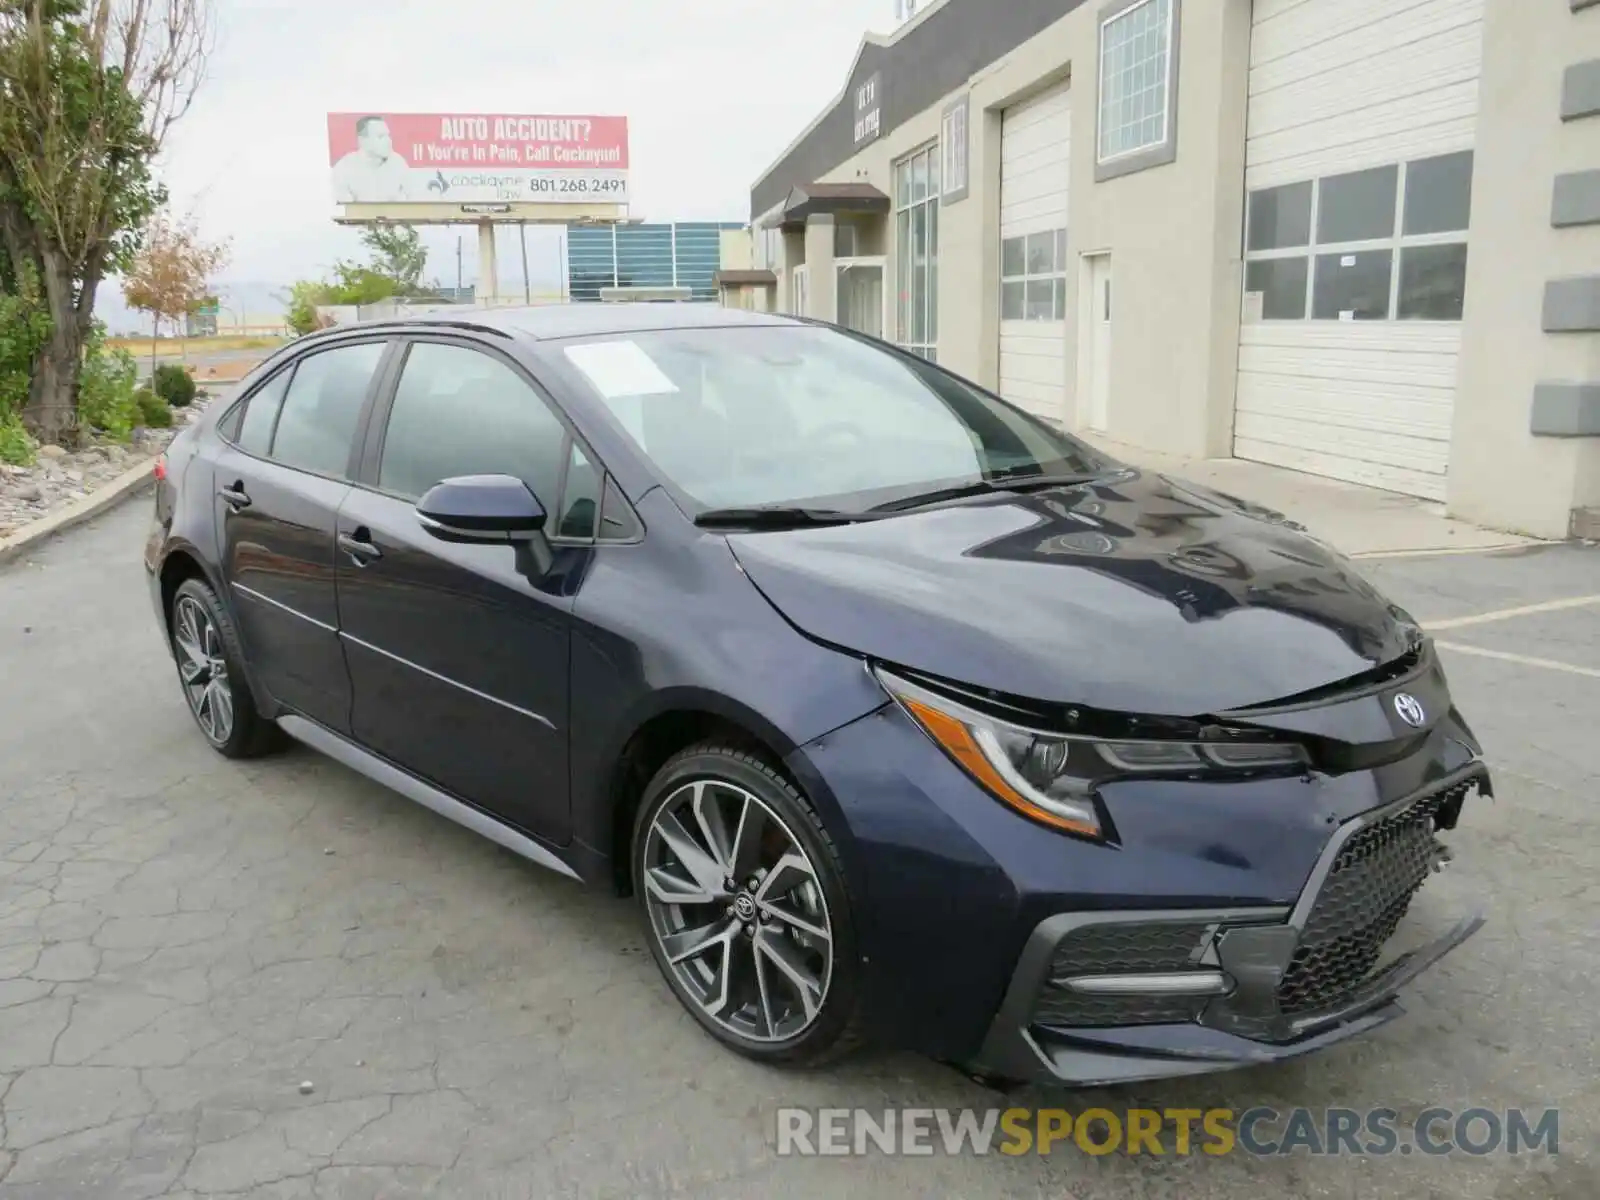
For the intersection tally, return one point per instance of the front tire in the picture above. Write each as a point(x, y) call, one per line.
point(211, 673)
point(746, 909)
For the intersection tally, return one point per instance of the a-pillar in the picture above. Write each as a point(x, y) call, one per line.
point(821, 281)
point(488, 272)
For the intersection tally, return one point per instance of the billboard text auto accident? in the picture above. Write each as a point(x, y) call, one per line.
point(434, 158)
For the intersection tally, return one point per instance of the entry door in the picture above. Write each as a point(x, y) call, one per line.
point(1095, 369)
point(280, 481)
point(861, 296)
point(459, 653)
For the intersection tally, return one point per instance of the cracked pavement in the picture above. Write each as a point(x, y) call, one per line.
point(185, 942)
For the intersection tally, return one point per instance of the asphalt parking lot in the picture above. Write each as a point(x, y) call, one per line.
point(185, 941)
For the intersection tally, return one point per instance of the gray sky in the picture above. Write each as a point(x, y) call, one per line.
point(713, 89)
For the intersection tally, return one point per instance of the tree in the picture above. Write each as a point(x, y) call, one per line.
point(300, 306)
point(88, 92)
point(398, 260)
point(398, 253)
point(170, 271)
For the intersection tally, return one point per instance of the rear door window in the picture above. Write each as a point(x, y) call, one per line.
point(317, 426)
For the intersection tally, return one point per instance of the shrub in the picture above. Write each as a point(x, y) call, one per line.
point(16, 447)
point(174, 385)
point(24, 328)
point(106, 388)
point(154, 412)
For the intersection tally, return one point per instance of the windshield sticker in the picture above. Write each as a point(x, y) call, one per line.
point(620, 369)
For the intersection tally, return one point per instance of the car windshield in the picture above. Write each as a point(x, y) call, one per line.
point(752, 416)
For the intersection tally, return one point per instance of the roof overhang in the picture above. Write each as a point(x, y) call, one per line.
point(814, 199)
point(743, 278)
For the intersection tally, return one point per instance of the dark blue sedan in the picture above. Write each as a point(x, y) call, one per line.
point(906, 717)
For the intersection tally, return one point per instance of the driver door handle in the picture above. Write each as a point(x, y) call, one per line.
point(360, 549)
point(235, 495)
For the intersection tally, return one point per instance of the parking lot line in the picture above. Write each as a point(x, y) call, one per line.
point(1446, 551)
point(1504, 614)
point(1524, 659)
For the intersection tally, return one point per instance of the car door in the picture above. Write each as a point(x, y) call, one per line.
point(281, 476)
point(458, 653)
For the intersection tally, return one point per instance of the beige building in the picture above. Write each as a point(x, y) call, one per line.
point(1358, 238)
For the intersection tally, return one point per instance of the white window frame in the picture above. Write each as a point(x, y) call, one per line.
point(904, 207)
point(1057, 275)
point(800, 283)
point(1395, 244)
point(1150, 153)
point(954, 140)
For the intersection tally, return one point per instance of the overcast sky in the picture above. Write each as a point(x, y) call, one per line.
point(713, 90)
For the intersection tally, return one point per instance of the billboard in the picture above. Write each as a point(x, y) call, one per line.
point(477, 159)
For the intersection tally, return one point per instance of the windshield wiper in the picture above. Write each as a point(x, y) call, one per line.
point(1002, 482)
point(776, 516)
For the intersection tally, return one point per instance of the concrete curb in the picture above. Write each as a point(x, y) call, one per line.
point(129, 483)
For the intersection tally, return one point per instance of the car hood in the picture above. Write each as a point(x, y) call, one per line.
point(1136, 593)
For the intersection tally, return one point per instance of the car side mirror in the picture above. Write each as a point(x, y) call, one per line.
point(482, 508)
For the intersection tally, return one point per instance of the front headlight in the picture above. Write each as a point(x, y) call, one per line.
point(1051, 777)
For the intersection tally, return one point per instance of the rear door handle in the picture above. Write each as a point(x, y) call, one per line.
point(235, 496)
point(360, 549)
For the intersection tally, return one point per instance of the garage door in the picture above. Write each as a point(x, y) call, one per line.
point(1035, 150)
point(1358, 168)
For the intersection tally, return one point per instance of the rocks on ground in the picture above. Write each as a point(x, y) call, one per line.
point(61, 476)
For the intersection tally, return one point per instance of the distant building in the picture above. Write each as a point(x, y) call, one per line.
point(682, 254)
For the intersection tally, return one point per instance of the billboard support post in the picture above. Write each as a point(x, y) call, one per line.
point(488, 270)
point(527, 284)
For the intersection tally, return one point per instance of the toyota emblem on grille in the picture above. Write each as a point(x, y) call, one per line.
point(1410, 709)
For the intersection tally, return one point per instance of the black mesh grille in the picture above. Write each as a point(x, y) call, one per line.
point(1365, 895)
point(1121, 948)
point(1069, 1010)
point(1125, 948)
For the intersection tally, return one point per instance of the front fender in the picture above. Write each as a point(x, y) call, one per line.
point(673, 626)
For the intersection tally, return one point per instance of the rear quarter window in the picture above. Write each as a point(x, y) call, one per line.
point(260, 414)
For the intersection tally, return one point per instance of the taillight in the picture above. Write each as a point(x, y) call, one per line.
point(160, 467)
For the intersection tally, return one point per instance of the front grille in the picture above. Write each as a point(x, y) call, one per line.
point(1121, 948)
point(1363, 899)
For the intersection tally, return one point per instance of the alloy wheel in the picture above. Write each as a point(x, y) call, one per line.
point(203, 669)
point(738, 911)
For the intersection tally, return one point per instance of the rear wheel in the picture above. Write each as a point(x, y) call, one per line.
point(210, 670)
point(746, 907)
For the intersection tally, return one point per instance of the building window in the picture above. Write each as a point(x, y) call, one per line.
point(1136, 44)
point(769, 249)
point(846, 239)
point(1384, 243)
point(1033, 276)
point(916, 202)
point(953, 142)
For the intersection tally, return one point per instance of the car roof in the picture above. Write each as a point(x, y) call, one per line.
point(541, 322)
